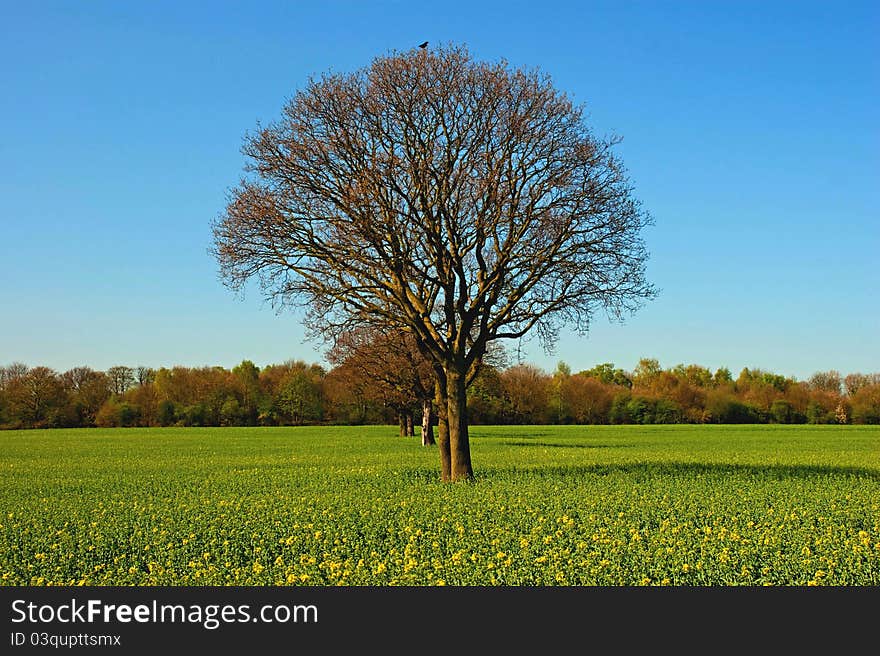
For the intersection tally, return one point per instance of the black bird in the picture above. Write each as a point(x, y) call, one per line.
point(423, 45)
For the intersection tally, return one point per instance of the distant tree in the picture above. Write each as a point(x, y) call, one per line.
point(559, 403)
point(641, 410)
point(590, 399)
point(145, 398)
point(117, 414)
point(783, 412)
point(826, 381)
point(866, 405)
point(608, 374)
point(349, 396)
point(486, 404)
point(35, 398)
point(619, 412)
point(87, 390)
point(121, 378)
point(399, 373)
point(231, 413)
point(10, 377)
point(165, 414)
point(460, 201)
point(298, 396)
point(687, 398)
point(722, 377)
point(854, 382)
point(526, 393)
point(645, 372)
point(724, 408)
point(694, 375)
point(246, 376)
point(817, 413)
point(12, 373)
point(667, 411)
point(144, 376)
point(759, 388)
point(842, 412)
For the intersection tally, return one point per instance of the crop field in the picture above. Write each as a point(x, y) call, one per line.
point(562, 505)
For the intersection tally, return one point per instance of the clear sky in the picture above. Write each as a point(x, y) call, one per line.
point(750, 133)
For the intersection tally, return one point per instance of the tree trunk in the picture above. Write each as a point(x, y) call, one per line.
point(456, 417)
point(401, 421)
point(427, 422)
point(443, 431)
point(410, 429)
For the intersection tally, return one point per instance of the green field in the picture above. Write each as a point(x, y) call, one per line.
point(561, 505)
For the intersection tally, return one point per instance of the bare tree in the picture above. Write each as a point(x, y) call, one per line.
point(121, 378)
point(144, 376)
point(12, 373)
point(400, 373)
point(460, 201)
point(856, 381)
point(826, 381)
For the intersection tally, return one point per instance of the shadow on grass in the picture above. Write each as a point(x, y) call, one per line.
point(647, 470)
point(557, 445)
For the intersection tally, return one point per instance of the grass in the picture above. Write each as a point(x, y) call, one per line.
point(551, 505)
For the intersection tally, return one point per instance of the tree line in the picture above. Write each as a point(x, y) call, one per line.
point(389, 388)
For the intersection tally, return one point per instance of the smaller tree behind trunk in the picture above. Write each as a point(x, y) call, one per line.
point(389, 365)
point(427, 422)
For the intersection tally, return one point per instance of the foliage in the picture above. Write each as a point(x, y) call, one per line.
point(363, 388)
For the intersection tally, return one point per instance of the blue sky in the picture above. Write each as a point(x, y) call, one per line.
point(750, 133)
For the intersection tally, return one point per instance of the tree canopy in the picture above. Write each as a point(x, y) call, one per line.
point(460, 201)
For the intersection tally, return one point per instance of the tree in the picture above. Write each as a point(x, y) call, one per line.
point(526, 391)
point(144, 375)
point(348, 396)
point(559, 403)
point(854, 382)
point(298, 396)
point(590, 398)
point(694, 375)
point(246, 378)
point(87, 391)
point(400, 374)
point(646, 372)
point(36, 397)
point(608, 374)
point(486, 396)
point(121, 378)
point(722, 378)
point(463, 202)
point(826, 381)
point(866, 405)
